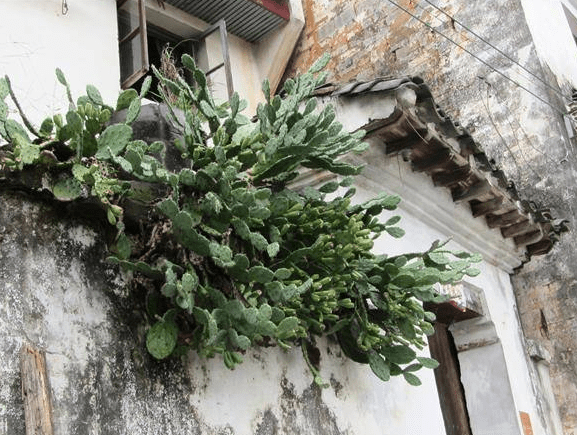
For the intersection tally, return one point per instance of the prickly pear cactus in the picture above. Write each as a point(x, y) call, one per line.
point(229, 255)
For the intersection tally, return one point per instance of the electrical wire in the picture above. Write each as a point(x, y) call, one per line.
point(499, 51)
point(478, 58)
point(559, 199)
point(527, 138)
point(505, 144)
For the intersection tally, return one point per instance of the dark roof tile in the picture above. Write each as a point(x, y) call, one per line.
point(447, 152)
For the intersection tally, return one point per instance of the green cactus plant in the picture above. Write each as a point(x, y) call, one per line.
point(113, 140)
point(237, 257)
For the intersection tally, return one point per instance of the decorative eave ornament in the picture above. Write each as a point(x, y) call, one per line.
point(409, 123)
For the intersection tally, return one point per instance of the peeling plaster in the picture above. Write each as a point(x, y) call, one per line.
point(523, 135)
point(59, 295)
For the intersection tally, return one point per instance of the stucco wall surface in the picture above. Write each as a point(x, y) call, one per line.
point(36, 37)
point(556, 48)
point(58, 294)
point(420, 219)
point(61, 297)
point(524, 133)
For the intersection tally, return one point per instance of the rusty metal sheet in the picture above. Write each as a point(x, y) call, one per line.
point(247, 19)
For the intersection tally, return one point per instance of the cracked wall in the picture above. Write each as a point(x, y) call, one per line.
point(522, 130)
point(59, 295)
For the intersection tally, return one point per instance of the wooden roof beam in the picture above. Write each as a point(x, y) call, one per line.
point(475, 191)
point(522, 227)
point(438, 160)
point(451, 178)
point(505, 219)
point(529, 238)
point(483, 208)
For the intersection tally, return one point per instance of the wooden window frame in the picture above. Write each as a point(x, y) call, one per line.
point(144, 68)
point(138, 31)
point(220, 27)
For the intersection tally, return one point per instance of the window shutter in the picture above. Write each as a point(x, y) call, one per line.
point(220, 27)
point(132, 41)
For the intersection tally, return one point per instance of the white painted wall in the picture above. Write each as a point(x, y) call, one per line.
point(100, 384)
point(364, 405)
point(52, 299)
point(250, 63)
point(552, 36)
point(423, 226)
point(553, 418)
point(54, 302)
point(36, 38)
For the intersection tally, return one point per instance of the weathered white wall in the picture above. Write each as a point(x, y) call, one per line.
point(423, 227)
point(60, 296)
point(554, 420)
point(36, 38)
point(357, 401)
point(552, 36)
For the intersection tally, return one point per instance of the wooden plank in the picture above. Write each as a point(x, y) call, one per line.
point(35, 392)
point(486, 207)
point(475, 191)
point(505, 219)
point(220, 26)
point(409, 142)
point(448, 378)
point(448, 179)
point(133, 34)
point(528, 238)
point(522, 227)
point(539, 248)
point(436, 161)
point(226, 58)
point(143, 37)
point(142, 32)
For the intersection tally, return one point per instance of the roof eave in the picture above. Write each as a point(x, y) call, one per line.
point(401, 116)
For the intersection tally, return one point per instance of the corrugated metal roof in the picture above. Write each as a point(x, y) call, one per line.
point(247, 19)
point(424, 135)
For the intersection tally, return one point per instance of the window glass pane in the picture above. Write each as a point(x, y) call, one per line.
point(132, 48)
point(130, 58)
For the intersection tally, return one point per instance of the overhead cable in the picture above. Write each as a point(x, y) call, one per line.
point(498, 50)
point(476, 57)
